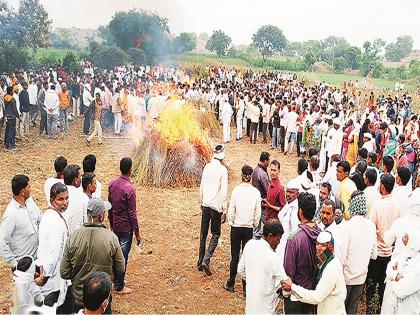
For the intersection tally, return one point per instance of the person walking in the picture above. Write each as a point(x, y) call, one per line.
point(123, 217)
point(213, 199)
point(243, 215)
point(89, 249)
point(97, 114)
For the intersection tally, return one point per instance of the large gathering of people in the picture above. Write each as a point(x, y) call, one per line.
point(346, 224)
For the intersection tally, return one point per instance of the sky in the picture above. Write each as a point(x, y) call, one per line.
point(355, 20)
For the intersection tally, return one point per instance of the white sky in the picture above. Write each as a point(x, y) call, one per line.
point(355, 20)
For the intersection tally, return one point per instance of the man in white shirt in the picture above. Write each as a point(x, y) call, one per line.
point(33, 100)
point(20, 224)
point(53, 234)
point(243, 216)
point(213, 199)
point(291, 129)
point(402, 190)
point(240, 108)
point(371, 191)
point(334, 140)
point(226, 117)
point(60, 164)
point(288, 216)
point(262, 270)
point(76, 212)
point(359, 246)
point(51, 103)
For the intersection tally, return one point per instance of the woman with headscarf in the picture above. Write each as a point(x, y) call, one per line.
point(402, 293)
point(330, 292)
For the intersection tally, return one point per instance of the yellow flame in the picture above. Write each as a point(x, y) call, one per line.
point(179, 123)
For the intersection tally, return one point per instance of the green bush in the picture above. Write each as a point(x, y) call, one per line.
point(71, 63)
point(12, 57)
point(137, 56)
point(107, 57)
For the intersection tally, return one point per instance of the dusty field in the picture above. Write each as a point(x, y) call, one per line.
point(163, 275)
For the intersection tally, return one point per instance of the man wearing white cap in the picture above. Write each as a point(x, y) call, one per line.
point(213, 199)
point(288, 216)
point(334, 140)
point(91, 248)
point(330, 291)
point(368, 144)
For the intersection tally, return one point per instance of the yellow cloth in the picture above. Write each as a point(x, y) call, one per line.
point(346, 188)
point(352, 151)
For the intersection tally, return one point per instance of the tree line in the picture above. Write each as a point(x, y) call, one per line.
point(142, 37)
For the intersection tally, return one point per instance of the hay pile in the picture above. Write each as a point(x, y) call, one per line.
point(175, 149)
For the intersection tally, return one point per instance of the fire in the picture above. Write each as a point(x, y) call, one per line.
point(180, 124)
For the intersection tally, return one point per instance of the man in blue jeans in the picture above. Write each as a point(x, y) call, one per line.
point(123, 217)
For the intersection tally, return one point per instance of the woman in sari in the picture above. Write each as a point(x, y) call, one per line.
point(347, 131)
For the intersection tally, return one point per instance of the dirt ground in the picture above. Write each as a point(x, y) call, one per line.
point(163, 272)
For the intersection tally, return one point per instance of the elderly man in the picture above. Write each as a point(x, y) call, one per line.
point(213, 197)
point(330, 291)
point(90, 249)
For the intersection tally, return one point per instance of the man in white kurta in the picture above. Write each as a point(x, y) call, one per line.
point(262, 270)
point(226, 117)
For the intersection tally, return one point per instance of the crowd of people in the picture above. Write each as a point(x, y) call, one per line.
point(347, 223)
point(317, 242)
point(60, 257)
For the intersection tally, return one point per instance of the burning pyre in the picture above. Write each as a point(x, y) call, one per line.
point(174, 149)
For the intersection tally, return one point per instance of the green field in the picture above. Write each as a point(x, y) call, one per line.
point(59, 53)
point(335, 79)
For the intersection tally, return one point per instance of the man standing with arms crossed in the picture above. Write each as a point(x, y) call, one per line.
point(123, 217)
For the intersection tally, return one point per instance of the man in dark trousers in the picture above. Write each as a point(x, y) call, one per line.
point(11, 113)
point(123, 217)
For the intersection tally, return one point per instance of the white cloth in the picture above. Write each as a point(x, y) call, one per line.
point(288, 217)
point(291, 125)
point(331, 178)
point(372, 195)
point(244, 206)
point(213, 186)
point(76, 213)
point(33, 93)
point(401, 195)
point(51, 102)
point(98, 191)
point(334, 142)
point(19, 231)
point(262, 270)
point(53, 236)
point(330, 292)
point(359, 246)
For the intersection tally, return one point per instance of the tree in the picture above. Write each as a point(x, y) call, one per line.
point(184, 42)
point(369, 57)
point(218, 42)
point(142, 30)
point(340, 64)
point(269, 39)
point(137, 56)
point(71, 63)
point(233, 52)
point(105, 34)
point(309, 60)
point(107, 57)
point(353, 56)
point(34, 24)
point(400, 49)
point(334, 47)
point(13, 57)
